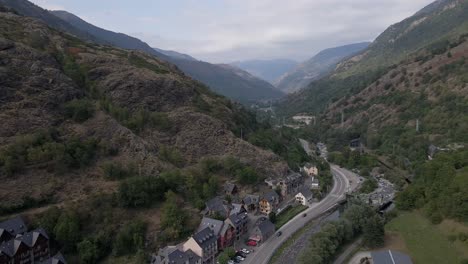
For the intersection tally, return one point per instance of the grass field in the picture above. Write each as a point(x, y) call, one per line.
point(427, 243)
point(288, 214)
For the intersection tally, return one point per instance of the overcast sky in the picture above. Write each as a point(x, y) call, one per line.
point(230, 30)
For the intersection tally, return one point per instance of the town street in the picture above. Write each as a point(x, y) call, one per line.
point(344, 181)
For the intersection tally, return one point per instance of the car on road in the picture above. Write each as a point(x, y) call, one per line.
point(304, 215)
point(279, 233)
point(251, 243)
point(245, 251)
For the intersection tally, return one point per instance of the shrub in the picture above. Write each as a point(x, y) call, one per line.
point(247, 175)
point(130, 238)
point(116, 171)
point(171, 155)
point(141, 191)
point(79, 109)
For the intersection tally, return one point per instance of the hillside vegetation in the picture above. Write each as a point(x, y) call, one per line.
point(99, 144)
point(437, 26)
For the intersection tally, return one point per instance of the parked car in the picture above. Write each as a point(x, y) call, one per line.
point(244, 250)
point(240, 258)
point(230, 261)
point(252, 243)
point(242, 254)
point(279, 233)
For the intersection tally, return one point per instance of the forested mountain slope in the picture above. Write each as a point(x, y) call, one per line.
point(92, 128)
point(318, 66)
point(434, 29)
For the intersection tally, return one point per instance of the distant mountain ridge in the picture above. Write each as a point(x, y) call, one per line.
point(229, 81)
point(175, 54)
point(237, 88)
point(268, 70)
point(109, 37)
point(318, 66)
point(243, 90)
point(434, 28)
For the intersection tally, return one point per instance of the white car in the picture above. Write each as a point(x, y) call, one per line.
point(245, 251)
point(230, 262)
point(240, 258)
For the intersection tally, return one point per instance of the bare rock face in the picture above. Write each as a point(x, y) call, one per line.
point(32, 88)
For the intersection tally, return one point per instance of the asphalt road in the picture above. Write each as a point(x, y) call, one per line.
point(342, 180)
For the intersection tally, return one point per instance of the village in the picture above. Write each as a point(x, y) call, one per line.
point(18, 245)
point(243, 222)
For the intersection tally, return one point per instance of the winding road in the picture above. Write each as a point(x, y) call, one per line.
point(344, 181)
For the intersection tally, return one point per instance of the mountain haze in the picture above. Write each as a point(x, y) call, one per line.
point(316, 67)
point(268, 70)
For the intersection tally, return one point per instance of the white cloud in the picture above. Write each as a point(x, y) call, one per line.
point(225, 30)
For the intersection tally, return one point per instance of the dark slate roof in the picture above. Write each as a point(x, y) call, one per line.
point(217, 205)
point(266, 227)
point(30, 238)
point(271, 196)
point(213, 224)
point(10, 247)
point(306, 192)
point(238, 219)
point(250, 199)
point(180, 257)
point(293, 177)
point(57, 259)
point(390, 257)
point(13, 226)
point(229, 187)
point(204, 237)
point(236, 209)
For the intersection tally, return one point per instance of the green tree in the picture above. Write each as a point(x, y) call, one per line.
point(226, 255)
point(67, 230)
point(173, 218)
point(247, 175)
point(373, 232)
point(88, 251)
point(141, 191)
point(79, 109)
point(130, 238)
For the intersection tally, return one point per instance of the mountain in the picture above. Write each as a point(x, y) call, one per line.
point(229, 81)
point(175, 54)
point(433, 29)
point(108, 37)
point(268, 70)
point(433, 25)
point(220, 80)
point(92, 128)
point(316, 67)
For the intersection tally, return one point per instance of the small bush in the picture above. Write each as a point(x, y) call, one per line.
point(141, 191)
point(130, 238)
point(116, 171)
point(79, 110)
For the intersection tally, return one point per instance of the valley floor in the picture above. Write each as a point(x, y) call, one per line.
point(426, 243)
